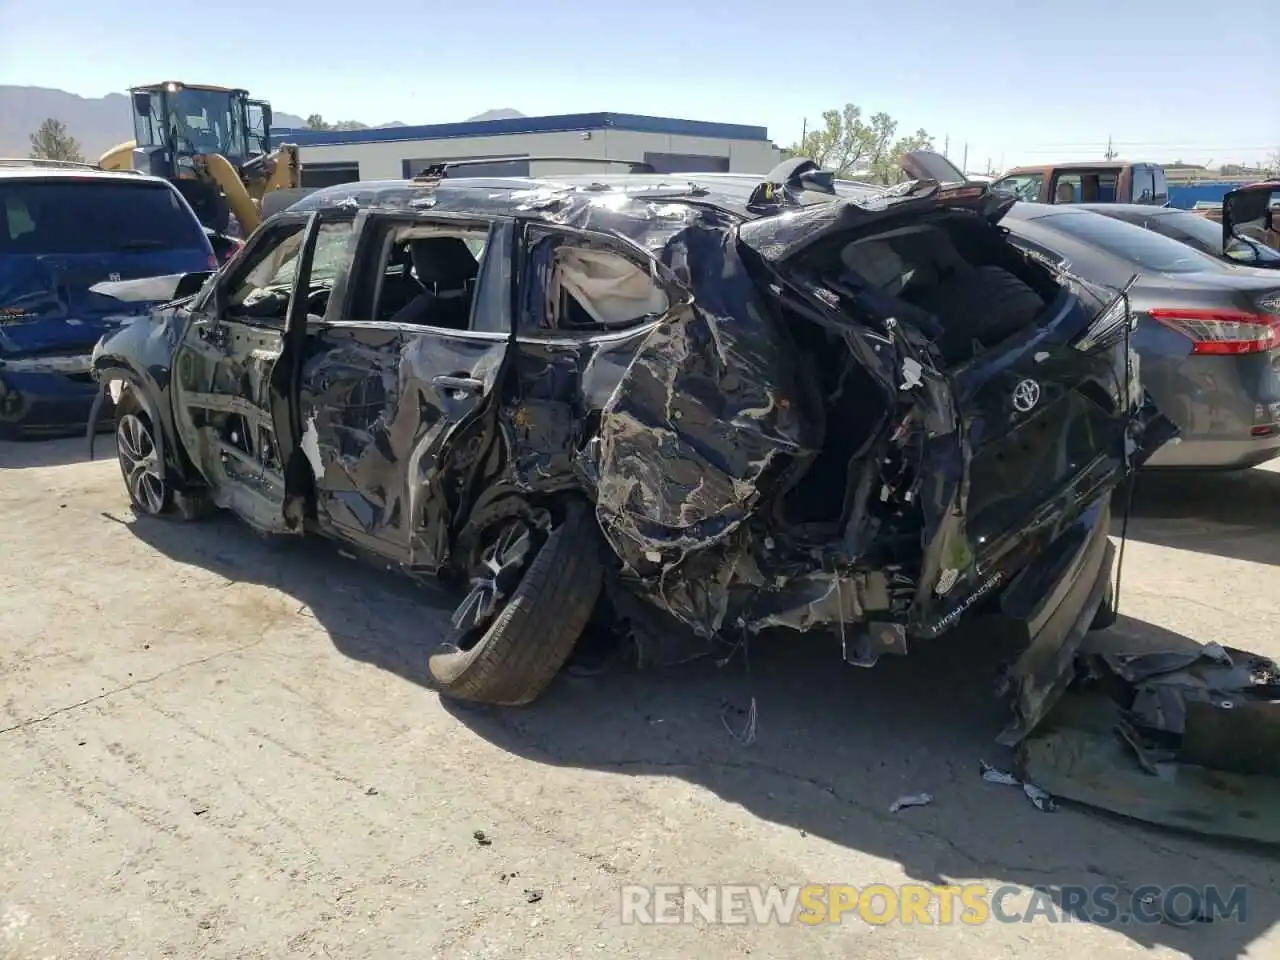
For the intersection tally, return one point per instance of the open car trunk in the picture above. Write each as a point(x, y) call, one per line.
point(841, 430)
point(1249, 214)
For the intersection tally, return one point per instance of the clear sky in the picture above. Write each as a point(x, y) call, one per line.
point(1018, 82)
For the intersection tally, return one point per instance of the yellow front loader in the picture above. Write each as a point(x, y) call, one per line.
point(214, 144)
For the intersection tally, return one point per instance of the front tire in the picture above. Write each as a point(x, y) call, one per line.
point(513, 636)
point(144, 475)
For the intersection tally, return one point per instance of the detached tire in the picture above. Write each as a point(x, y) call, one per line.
point(986, 305)
point(533, 634)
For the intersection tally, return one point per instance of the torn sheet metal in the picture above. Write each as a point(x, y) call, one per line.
point(1078, 756)
point(911, 800)
point(1040, 798)
point(1187, 736)
point(1223, 703)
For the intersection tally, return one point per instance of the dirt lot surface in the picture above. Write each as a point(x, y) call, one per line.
point(212, 747)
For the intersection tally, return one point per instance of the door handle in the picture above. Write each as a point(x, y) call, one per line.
point(459, 384)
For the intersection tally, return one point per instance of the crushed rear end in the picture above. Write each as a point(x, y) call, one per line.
point(798, 449)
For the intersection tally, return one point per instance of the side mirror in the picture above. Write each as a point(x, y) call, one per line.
point(1242, 253)
point(142, 104)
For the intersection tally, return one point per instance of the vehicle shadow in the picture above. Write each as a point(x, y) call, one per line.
point(370, 615)
point(833, 746)
point(1233, 515)
point(26, 454)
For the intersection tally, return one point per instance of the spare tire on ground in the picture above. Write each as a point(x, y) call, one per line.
point(982, 306)
point(531, 598)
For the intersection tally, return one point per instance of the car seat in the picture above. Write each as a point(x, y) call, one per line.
point(447, 270)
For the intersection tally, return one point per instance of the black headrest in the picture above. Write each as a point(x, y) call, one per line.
point(446, 262)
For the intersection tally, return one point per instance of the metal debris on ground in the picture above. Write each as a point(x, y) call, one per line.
point(1175, 733)
point(747, 736)
point(1041, 798)
point(533, 895)
point(482, 839)
point(911, 800)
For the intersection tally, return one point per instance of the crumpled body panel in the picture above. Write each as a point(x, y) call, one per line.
point(704, 416)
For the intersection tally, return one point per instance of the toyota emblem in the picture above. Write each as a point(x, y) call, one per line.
point(1026, 395)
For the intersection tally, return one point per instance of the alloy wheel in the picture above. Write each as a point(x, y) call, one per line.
point(501, 567)
point(136, 449)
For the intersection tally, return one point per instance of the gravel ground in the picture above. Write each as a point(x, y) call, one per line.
point(213, 748)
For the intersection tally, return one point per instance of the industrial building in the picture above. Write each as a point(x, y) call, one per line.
point(669, 145)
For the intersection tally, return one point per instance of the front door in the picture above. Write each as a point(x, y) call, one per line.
point(230, 392)
point(396, 383)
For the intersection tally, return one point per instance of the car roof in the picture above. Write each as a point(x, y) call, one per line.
point(497, 196)
point(1079, 165)
point(37, 172)
point(1145, 209)
point(1027, 210)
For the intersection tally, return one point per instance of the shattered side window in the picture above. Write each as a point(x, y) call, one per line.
point(263, 291)
point(578, 288)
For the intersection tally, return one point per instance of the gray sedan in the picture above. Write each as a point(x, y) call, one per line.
point(1208, 333)
point(1194, 230)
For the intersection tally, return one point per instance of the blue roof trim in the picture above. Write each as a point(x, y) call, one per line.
point(557, 124)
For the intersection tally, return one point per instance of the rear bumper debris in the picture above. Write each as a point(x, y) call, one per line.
point(1051, 604)
point(1185, 736)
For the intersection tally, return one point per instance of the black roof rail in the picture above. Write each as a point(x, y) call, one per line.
point(437, 171)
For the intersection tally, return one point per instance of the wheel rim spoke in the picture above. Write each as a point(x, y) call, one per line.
point(139, 463)
point(501, 569)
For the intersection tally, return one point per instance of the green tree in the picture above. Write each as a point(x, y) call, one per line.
point(52, 142)
point(317, 122)
point(857, 148)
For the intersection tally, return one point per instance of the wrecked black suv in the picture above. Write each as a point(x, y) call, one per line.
point(783, 402)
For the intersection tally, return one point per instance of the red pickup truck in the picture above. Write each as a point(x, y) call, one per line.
point(1108, 181)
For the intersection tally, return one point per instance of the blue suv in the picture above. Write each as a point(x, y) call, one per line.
point(64, 229)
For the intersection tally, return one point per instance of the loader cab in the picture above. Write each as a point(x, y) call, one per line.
point(175, 122)
point(258, 123)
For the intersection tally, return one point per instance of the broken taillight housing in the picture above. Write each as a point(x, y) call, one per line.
point(1109, 326)
point(1222, 332)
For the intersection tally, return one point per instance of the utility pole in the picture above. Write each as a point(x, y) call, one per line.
point(1110, 154)
point(946, 144)
point(964, 167)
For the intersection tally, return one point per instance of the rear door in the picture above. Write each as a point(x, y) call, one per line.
point(232, 380)
point(394, 403)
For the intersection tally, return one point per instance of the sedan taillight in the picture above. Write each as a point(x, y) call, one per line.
point(1222, 332)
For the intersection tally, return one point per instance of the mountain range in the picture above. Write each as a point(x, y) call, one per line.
point(99, 123)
